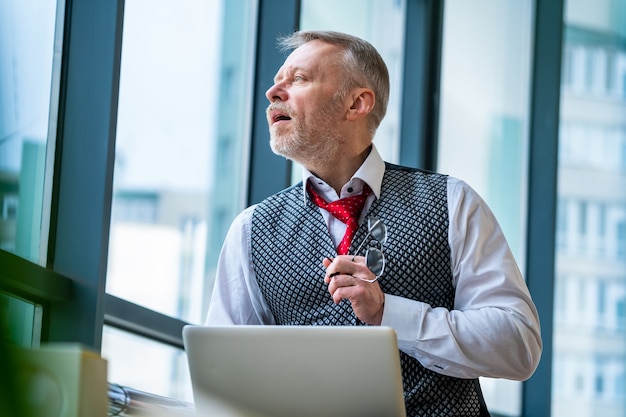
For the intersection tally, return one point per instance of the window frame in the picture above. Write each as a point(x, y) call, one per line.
point(542, 192)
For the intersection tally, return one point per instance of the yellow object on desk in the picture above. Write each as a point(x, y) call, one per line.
point(62, 380)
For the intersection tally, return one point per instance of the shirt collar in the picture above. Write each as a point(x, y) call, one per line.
point(371, 172)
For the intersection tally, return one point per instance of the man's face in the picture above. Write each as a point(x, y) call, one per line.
point(304, 110)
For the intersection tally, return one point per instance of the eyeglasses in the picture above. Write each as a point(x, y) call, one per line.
point(374, 257)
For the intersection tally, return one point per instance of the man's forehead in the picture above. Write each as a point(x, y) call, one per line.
point(313, 48)
point(308, 57)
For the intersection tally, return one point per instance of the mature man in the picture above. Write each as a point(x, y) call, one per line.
point(450, 287)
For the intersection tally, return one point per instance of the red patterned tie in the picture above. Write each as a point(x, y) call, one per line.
point(347, 210)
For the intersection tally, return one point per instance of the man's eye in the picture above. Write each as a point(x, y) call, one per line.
point(298, 78)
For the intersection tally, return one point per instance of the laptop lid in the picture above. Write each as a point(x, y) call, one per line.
point(276, 371)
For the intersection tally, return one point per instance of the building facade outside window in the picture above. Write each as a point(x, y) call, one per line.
point(589, 366)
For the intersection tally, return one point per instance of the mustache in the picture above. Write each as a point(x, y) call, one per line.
point(278, 107)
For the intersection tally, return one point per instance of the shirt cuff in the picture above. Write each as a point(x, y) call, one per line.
point(404, 316)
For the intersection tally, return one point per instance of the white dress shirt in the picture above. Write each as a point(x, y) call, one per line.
point(492, 331)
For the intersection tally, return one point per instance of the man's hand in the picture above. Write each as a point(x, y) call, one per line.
point(345, 281)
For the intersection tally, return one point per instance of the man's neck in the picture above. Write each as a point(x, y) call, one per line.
point(339, 172)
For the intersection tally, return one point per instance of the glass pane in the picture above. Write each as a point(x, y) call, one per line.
point(181, 150)
point(380, 22)
point(589, 366)
point(29, 74)
point(483, 128)
point(147, 366)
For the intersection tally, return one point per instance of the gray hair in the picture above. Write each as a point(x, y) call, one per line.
point(362, 64)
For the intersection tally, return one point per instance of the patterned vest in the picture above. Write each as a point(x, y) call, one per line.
point(290, 239)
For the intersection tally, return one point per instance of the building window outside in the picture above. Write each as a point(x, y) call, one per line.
point(589, 332)
point(180, 170)
point(621, 239)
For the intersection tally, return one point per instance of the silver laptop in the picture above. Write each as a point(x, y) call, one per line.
point(289, 371)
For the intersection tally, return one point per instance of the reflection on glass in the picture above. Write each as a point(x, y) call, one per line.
point(485, 84)
point(29, 68)
point(143, 365)
point(181, 147)
point(381, 23)
point(589, 365)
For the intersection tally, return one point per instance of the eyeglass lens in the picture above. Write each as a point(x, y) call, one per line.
point(375, 261)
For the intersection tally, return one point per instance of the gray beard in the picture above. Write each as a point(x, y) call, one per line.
point(303, 152)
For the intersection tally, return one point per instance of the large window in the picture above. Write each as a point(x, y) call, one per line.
point(484, 123)
point(180, 169)
point(589, 367)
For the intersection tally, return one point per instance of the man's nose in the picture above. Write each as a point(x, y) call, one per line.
point(275, 93)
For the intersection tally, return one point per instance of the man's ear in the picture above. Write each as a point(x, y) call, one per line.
point(362, 103)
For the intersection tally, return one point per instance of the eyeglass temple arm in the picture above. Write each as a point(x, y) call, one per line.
point(362, 243)
point(369, 232)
